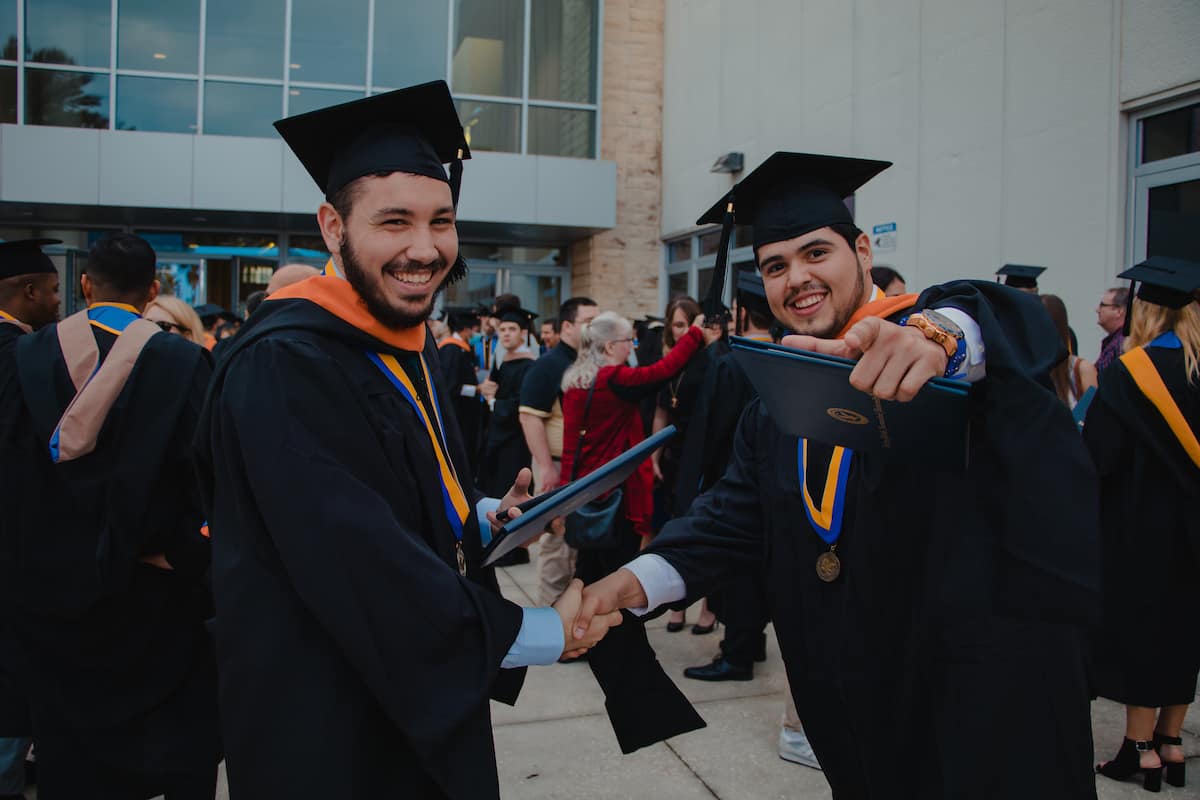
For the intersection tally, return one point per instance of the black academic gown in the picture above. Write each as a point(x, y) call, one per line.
point(682, 406)
point(505, 452)
point(1147, 653)
point(355, 661)
point(122, 678)
point(458, 370)
point(947, 659)
point(14, 704)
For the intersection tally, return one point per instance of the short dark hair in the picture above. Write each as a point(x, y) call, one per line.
point(343, 199)
point(569, 310)
point(254, 300)
point(554, 324)
point(883, 276)
point(122, 262)
point(848, 231)
point(762, 320)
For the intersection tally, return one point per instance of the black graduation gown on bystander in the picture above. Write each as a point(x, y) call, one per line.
point(947, 659)
point(355, 661)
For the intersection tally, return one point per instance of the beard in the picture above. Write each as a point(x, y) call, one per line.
point(842, 312)
point(372, 291)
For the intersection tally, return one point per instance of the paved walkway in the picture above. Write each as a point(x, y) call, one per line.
point(557, 742)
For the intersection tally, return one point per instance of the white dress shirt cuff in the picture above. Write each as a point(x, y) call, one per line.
point(660, 581)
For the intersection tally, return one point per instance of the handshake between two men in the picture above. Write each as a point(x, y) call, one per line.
point(586, 612)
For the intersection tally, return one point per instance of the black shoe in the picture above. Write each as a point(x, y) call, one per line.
point(513, 558)
point(700, 630)
point(1127, 763)
point(676, 627)
point(720, 670)
point(1175, 771)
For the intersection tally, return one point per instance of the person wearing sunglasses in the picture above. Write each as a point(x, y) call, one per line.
point(175, 316)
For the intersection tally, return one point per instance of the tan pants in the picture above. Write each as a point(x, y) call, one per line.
point(555, 567)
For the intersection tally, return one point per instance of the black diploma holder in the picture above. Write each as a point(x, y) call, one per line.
point(537, 513)
point(809, 395)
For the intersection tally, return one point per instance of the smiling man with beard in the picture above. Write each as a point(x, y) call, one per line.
point(931, 617)
point(359, 637)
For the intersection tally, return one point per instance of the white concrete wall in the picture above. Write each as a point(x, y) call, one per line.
point(1003, 119)
point(168, 170)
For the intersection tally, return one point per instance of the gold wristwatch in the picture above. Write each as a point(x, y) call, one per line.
point(937, 328)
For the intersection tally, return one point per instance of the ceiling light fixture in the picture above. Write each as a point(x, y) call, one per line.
point(161, 56)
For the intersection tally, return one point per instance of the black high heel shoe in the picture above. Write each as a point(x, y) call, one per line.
point(1175, 772)
point(1128, 763)
point(676, 627)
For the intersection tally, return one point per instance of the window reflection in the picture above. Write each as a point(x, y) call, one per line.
point(301, 99)
point(164, 37)
point(677, 284)
point(562, 50)
point(405, 53)
point(244, 38)
point(67, 99)
point(491, 126)
point(8, 94)
point(539, 293)
point(561, 132)
point(329, 46)
point(241, 109)
point(8, 30)
point(489, 47)
point(68, 32)
point(156, 104)
point(1170, 134)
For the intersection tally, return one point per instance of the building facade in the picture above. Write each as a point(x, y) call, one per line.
point(156, 118)
point(1064, 133)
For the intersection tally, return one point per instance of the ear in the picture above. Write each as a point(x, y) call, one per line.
point(153, 293)
point(30, 291)
point(862, 247)
point(86, 287)
point(333, 228)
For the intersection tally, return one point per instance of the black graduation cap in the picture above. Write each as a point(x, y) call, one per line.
point(518, 315)
point(1170, 282)
point(1020, 276)
point(788, 195)
point(459, 317)
point(25, 257)
point(211, 311)
point(414, 130)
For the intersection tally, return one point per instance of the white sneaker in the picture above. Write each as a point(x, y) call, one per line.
point(794, 747)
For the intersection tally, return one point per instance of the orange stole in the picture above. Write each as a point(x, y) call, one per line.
point(339, 298)
point(883, 308)
point(459, 343)
point(1146, 376)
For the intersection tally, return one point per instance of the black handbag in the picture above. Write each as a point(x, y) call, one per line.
point(593, 527)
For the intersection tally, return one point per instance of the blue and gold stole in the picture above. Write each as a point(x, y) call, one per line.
point(9, 319)
point(333, 293)
point(1151, 384)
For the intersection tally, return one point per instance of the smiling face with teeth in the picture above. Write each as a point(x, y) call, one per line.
point(815, 282)
point(395, 244)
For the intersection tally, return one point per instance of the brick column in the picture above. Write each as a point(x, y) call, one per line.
point(620, 268)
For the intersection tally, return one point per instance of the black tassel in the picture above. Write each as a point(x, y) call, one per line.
point(459, 270)
point(714, 309)
point(1129, 309)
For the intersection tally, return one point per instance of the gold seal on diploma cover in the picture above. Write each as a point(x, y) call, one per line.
point(846, 415)
point(829, 566)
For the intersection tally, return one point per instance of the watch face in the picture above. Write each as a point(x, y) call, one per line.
point(943, 322)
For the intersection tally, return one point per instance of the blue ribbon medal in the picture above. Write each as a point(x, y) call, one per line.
point(826, 519)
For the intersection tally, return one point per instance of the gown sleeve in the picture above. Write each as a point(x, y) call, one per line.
point(310, 463)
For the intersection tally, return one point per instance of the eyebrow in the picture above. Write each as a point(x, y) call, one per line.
point(808, 246)
point(397, 211)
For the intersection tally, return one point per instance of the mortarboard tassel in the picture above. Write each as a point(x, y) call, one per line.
point(713, 308)
point(456, 170)
point(1129, 309)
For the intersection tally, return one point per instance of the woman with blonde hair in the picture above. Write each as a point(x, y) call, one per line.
point(601, 420)
point(175, 316)
point(1141, 430)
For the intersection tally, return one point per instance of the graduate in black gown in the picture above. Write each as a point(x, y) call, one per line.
point(934, 639)
point(505, 452)
point(359, 637)
point(1141, 429)
point(458, 371)
point(103, 547)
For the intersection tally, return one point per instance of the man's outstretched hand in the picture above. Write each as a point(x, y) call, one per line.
point(519, 493)
point(578, 641)
point(894, 361)
point(609, 595)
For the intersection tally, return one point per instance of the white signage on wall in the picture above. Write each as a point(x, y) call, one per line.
point(883, 237)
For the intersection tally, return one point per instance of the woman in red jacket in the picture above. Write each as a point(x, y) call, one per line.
point(614, 424)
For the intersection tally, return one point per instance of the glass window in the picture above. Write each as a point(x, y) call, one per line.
point(489, 47)
point(480, 286)
point(164, 37)
point(514, 254)
point(541, 294)
point(743, 235)
point(156, 104)
point(8, 94)
point(562, 132)
point(185, 280)
point(309, 248)
point(301, 99)
point(1174, 133)
point(562, 50)
point(68, 32)
point(677, 284)
point(491, 126)
point(244, 38)
point(679, 250)
point(8, 29)
point(328, 46)
point(241, 109)
point(709, 242)
point(68, 99)
point(407, 53)
point(1173, 221)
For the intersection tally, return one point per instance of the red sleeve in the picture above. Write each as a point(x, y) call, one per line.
point(665, 368)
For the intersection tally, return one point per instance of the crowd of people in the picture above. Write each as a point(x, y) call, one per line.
point(262, 540)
